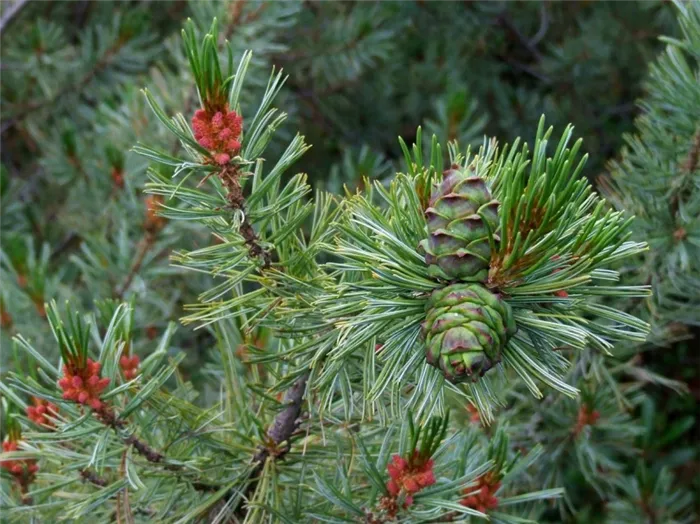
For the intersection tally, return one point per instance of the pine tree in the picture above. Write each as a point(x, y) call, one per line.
point(451, 342)
point(269, 268)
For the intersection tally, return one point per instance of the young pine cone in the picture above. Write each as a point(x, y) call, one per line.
point(466, 328)
point(460, 216)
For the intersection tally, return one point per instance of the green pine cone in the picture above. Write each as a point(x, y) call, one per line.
point(460, 215)
point(466, 328)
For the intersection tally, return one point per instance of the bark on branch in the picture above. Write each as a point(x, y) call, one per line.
point(280, 432)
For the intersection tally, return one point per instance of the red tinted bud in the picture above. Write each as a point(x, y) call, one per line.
point(217, 121)
point(409, 477)
point(232, 144)
point(94, 367)
point(485, 498)
point(474, 414)
point(393, 487)
point(207, 142)
point(219, 133)
point(83, 385)
point(39, 412)
point(222, 158)
point(410, 484)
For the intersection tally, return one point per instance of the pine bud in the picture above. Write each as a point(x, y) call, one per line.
point(5, 317)
point(40, 411)
point(482, 497)
point(408, 477)
point(23, 470)
point(586, 417)
point(129, 366)
point(154, 222)
point(83, 384)
point(474, 416)
point(219, 132)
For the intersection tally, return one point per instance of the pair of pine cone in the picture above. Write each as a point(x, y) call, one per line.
point(467, 325)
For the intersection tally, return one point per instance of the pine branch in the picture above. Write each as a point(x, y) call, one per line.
point(230, 178)
point(109, 418)
point(142, 249)
point(93, 478)
point(280, 432)
point(74, 87)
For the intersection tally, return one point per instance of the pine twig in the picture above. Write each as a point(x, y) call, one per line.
point(283, 427)
point(123, 504)
point(76, 87)
point(230, 178)
point(93, 478)
point(144, 246)
point(109, 418)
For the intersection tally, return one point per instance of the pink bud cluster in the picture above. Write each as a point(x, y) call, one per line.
point(409, 476)
point(40, 411)
point(218, 132)
point(83, 385)
point(485, 498)
point(24, 469)
point(129, 365)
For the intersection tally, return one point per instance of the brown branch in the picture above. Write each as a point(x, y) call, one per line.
point(126, 506)
point(230, 178)
point(108, 417)
point(92, 478)
point(145, 244)
point(280, 432)
point(648, 509)
point(71, 241)
point(236, 12)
